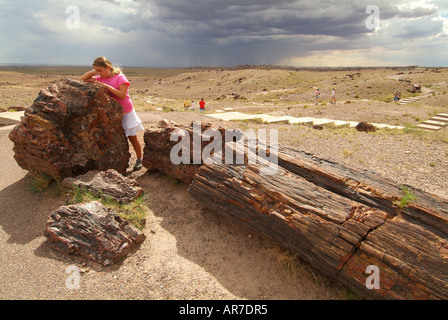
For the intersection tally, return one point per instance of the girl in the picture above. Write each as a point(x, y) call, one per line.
point(333, 97)
point(109, 76)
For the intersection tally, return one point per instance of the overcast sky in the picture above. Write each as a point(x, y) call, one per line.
point(185, 33)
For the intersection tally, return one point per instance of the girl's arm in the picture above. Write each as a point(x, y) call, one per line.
point(88, 76)
point(121, 92)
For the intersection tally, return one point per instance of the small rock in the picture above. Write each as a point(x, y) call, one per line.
point(92, 231)
point(108, 183)
point(365, 127)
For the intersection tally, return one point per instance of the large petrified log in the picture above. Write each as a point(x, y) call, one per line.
point(92, 231)
point(71, 128)
point(341, 220)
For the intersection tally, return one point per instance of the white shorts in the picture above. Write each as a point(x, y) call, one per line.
point(131, 123)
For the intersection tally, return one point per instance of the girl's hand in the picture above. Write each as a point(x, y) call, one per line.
point(88, 76)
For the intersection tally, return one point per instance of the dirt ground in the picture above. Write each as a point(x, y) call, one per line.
point(191, 253)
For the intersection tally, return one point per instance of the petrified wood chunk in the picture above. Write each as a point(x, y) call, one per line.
point(159, 147)
point(108, 183)
point(71, 128)
point(92, 231)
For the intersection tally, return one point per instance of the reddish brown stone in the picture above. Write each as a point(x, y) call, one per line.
point(92, 231)
point(71, 128)
point(108, 183)
point(158, 148)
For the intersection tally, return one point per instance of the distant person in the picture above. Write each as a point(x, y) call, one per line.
point(186, 104)
point(111, 77)
point(202, 105)
point(396, 97)
point(193, 106)
point(333, 97)
point(317, 96)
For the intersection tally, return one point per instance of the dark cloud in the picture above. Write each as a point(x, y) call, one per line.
point(213, 32)
point(205, 20)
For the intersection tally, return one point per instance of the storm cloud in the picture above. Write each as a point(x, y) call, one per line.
point(226, 33)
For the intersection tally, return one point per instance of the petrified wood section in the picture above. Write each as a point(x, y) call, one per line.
point(71, 128)
point(92, 231)
point(340, 220)
point(159, 148)
point(108, 183)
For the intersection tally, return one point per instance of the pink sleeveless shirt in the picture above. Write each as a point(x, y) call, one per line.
point(116, 81)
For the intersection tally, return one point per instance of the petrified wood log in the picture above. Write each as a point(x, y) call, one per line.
point(71, 128)
point(92, 231)
point(340, 220)
point(108, 183)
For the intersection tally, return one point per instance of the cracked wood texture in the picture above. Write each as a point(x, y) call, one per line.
point(92, 231)
point(340, 220)
point(72, 127)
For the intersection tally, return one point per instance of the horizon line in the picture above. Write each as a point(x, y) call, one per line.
point(224, 67)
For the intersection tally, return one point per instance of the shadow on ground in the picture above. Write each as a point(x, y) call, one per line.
point(24, 214)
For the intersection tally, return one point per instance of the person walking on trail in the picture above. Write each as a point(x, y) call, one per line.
point(317, 96)
point(333, 97)
point(186, 104)
point(202, 105)
point(193, 106)
point(111, 77)
point(396, 97)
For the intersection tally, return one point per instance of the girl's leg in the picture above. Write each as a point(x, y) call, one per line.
point(138, 150)
point(136, 145)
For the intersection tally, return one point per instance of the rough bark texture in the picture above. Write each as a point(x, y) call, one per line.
point(339, 219)
point(71, 128)
point(108, 183)
point(92, 231)
point(158, 147)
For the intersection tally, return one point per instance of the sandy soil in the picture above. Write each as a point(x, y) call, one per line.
point(191, 252)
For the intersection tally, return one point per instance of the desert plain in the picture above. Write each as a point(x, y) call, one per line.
point(191, 253)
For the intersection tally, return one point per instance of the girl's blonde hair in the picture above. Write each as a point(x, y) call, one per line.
point(104, 62)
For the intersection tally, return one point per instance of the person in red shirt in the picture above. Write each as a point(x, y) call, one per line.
point(202, 105)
